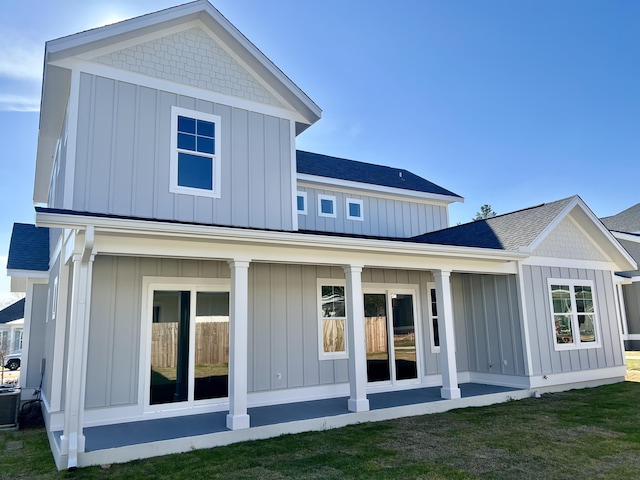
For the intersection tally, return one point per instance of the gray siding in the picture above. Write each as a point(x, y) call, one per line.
point(283, 325)
point(381, 216)
point(631, 295)
point(123, 159)
point(545, 358)
point(38, 330)
point(488, 324)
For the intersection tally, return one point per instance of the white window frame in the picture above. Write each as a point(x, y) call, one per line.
point(193, 285)
point(434, 348)
point(322, 355)
point(577, 343)
point(215, 158)
point(355, 201)
point(331, 198)
point(304, 199)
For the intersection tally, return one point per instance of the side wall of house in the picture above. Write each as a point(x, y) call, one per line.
point(123, 159)
point(382, 216)
point(631, 295)
point(37, 347)
point(488, 325)
point(546, 360)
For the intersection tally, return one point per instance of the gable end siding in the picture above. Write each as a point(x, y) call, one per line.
point(567, 241)
point(191, 58)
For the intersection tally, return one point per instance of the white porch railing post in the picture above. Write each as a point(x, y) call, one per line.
point(238, 345)
point(72, 440)
point(450, 387)
point(358, 401)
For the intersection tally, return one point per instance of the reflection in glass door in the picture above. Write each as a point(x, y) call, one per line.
point(375, 318)
point(390, 358)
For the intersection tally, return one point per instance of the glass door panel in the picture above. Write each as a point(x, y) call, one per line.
point(170, 347)
point(211, 369)
point(404, 337)
point(375, 317)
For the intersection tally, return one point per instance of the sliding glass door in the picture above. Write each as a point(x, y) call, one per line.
point(390, 332)
point(189, 346)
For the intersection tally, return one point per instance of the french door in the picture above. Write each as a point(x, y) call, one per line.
point(390, 331)
point(189, 346)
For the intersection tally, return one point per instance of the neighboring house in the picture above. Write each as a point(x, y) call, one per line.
point(11, 327)
point(208, 283)
point(625, 226)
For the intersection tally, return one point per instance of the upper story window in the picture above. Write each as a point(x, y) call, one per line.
point(326, 205)
point(301, 200)
point(354, 209)
point(574, 315)
point(195, 153)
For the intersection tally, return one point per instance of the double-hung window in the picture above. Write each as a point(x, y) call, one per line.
point(195, 153)
point(332, 319)
point(573, 311)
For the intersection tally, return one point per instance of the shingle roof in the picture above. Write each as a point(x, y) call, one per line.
point(625, 221)
point(12, 312)
point(634, 250)
point(504, 232)
point(354, 171)
point(29, 248)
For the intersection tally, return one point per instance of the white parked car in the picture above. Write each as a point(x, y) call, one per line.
point(12, 362)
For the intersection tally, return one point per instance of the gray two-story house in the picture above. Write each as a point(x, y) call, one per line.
point(205, 282)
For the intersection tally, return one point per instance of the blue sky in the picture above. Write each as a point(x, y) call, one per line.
point(511, 103)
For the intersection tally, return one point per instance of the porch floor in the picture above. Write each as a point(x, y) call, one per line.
point(147, 431)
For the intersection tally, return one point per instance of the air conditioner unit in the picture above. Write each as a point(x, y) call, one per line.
point(9, 406)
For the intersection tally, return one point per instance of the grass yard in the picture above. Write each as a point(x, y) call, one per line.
point(591, 433)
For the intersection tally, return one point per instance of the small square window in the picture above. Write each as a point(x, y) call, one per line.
point(326, 206)
point(301, 200)
point(195, 154)
point(354, 209)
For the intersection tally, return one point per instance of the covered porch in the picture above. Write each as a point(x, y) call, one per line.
point(142, 439)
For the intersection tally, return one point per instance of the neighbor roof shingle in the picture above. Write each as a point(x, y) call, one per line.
point(625, 221)
point(29, 248)
point(354, 171)
point(13, 312)
point(510, 231)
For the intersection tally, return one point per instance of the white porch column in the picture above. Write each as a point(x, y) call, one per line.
point(358, 401)
point(450, 387)
point(238, 345)
point(72, 440)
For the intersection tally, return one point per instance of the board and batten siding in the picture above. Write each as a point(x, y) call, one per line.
point(123, 153)
point(37, 347)
point(546, 360)
point(488, 324)
point(382, 216)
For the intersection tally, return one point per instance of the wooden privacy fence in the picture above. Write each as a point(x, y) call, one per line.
point(212, 344)
point(375, 330)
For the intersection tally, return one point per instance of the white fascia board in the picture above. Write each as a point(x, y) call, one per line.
point(629, 237)
point(375, 190)
point(260, 237)
point(27, 273)
point(569, 263)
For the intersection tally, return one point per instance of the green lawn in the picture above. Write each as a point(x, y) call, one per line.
point(591, 433)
